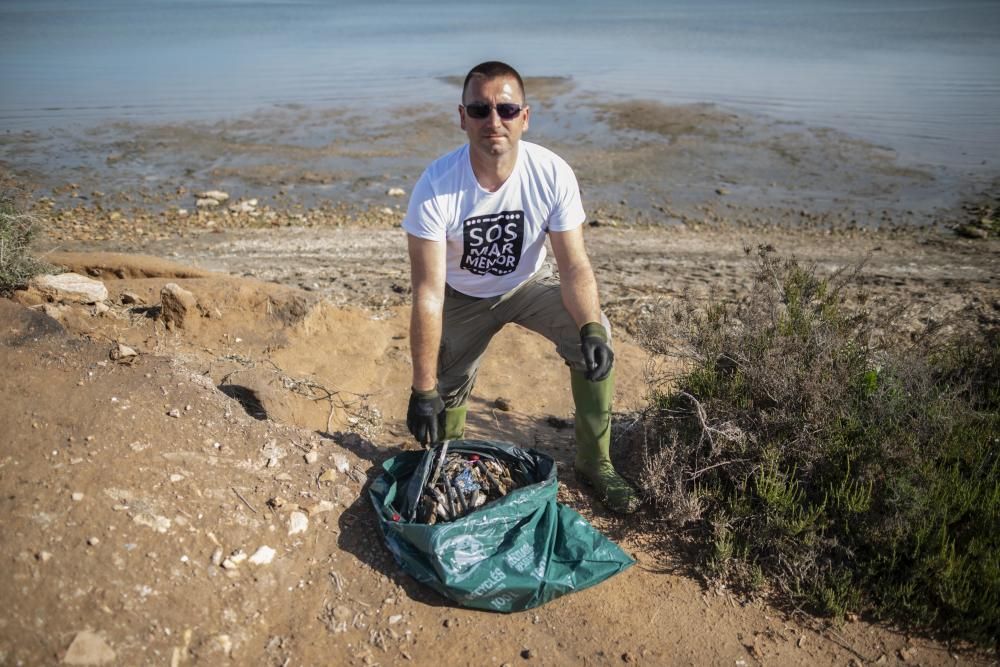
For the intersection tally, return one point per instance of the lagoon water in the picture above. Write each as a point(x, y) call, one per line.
point(919, 76)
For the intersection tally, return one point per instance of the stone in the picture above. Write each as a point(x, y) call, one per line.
point(395, 618)
point(93, 541)
point(44, 556)
point(329, 475)
point(77, 496)
point(178, 307)
point(234, 559)
point(263, 556)
point(131, 299)
point(320, 507)
point(503, 404)
point(218, 196)
point(122, 352)
point(69, 287)
point(298, 522)
point(311, 457)
point(175, 413)
point(217, 556)
point(246, 206)
point(88, 648)
point(396, 192)
point(341, 463)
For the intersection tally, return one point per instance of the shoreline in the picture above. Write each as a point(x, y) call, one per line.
point(635, 160)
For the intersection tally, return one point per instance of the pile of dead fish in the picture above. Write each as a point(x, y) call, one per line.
point(461, 483)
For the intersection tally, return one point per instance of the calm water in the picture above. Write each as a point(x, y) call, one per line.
point(920, 76)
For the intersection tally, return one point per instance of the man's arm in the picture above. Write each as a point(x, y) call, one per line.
point(579, 287)
point(427, 274)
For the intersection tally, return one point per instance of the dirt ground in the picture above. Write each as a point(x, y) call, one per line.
point(127, 482)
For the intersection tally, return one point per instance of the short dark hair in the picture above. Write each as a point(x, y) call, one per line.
point(493, 69)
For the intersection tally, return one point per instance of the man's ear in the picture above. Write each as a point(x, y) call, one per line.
point(526, 116)
point(461, 116)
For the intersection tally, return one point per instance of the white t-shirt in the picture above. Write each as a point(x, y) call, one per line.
point(495, 240)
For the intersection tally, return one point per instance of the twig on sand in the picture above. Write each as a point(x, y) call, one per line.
point(245, 501)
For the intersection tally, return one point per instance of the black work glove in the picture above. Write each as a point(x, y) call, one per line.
point(597, 354)
point(425, 416)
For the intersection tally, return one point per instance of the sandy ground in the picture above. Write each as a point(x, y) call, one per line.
point(122, 479)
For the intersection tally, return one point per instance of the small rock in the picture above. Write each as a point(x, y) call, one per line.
point(206, 203)
point(395, 618)
point(722, 192)
point(218, 196)
point(283, 477)
point(217, 556)
point(329, 475)
point(178, 307)
point(503, 404)
point(93, 541)
point(629, 657)
point(907, 654)
point(320, 507)
point(88, 648)
point(131, 299)
point(176, 478)
point(311, 457)
point(43, 556)
point(175, 413)
point(122, 352)
point(100, 308)
point(77, 496)
point(70, 287)
point(263, 556)
point(527, 654)
point(341, 463)
point(882, 659)
point(298, 522)
point(234, 559)
point(396, 192)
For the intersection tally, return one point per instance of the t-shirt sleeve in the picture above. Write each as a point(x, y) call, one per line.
point(568, 211)
point(423, 216)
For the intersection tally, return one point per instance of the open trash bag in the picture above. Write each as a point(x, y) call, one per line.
point(512, 553)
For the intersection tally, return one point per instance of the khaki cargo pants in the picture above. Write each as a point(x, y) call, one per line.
point(470, 323)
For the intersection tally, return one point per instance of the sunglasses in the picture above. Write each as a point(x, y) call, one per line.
point(505, 110)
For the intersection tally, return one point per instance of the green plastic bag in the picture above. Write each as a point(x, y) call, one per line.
point(514, 553)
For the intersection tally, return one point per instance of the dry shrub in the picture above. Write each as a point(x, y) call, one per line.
point(841, 474)
point(17, 266)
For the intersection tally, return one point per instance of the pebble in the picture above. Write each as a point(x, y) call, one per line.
point(70, 287)
point(77, 496)
point(395, 618)
point(93, 541)
point(396, 192)
point(503, 404)
point(341, 463)
point(176, 478)
point(329, 475)
point(311, 457)
point(234, 559)
point(121, 352)
point(217, 556)
point(88, 648)
point(175, 413)
point(217, 195)
point(298, 522)
point(528, 654)
point(320, 507)
point(263, 556)
point(283, 477)
point(44, 556)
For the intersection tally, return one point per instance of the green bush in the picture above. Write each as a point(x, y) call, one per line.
point(17, 267)
point(848, 476)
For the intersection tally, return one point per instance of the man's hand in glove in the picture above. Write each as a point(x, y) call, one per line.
point(425, 416)
point(597, 354)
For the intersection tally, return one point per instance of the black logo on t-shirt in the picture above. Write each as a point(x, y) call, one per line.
point(492, 243)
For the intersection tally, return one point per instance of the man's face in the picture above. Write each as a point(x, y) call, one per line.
point(493, 135)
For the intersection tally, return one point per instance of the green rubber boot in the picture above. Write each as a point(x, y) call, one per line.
point(454, 422)
point(593, 443)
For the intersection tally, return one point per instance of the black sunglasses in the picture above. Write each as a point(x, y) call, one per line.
point(505, 110)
